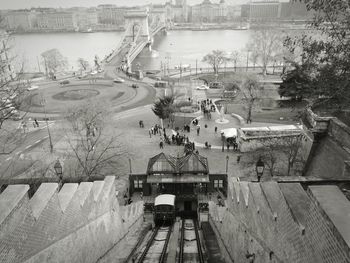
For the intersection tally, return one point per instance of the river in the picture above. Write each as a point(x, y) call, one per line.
point(174, 48)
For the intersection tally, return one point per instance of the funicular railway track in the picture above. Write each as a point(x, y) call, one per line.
point(156, 247)
point(190, 251)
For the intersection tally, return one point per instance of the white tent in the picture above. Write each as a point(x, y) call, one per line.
point(229, 133)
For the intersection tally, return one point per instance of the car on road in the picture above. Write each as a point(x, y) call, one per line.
point(64, 82)
point(118, 80)
point(202, 87)
point(134, 86)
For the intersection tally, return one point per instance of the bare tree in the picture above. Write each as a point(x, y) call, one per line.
point(95, 148)
point(13, 93)
point(268, 154)
point(265, 44)
point(215, 59)
point(291, 147)
point(235, 58)
point(281, 155)
point(54, 61)
point(251, 91)
point(83, 64)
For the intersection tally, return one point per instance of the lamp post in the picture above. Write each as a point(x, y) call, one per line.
point(260, 166)
point(223, 142)
point(227, 158)
point(59, 172)
point(43, 103)
point(247, 59)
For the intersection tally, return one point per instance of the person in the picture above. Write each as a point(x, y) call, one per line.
point(161, 145)
point(238, 158)
point(198, 129)
point(150, 132)
point(36, 122)
point(216, 129)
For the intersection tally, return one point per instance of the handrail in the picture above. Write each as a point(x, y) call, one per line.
point(148, 246)
point(199, 247)
point(182, 242)
point(162, 256)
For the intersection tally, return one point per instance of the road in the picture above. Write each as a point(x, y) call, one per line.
point(34, 138)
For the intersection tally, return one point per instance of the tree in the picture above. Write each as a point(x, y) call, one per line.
point(163, 108)
point(95, 150)
point(83, 64)
point(251, 91)
point(297, 83)
point(235, 58)
point(54, 61)
point(215, 59)
point(327, 54)
point(264, 44)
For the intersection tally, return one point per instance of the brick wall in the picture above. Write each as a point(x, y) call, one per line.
point(78, 227)
point(259, 219)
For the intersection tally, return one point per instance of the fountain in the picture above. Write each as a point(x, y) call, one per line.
point(222, 119)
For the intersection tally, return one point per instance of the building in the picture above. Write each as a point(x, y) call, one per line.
point(20, 20)
point(207, 12)
point(87, 19)
point(267, 10)
point(178, 12)
point(274, 10)
point(187, 177)
point(295, 10)
point(111, 15)
point(66, 21)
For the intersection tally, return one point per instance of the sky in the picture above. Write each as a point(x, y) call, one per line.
point(19, 4)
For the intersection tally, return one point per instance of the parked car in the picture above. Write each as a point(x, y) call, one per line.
point(118, 80)
point(160, 84)
point(32, 87)
point(64, 82)
point(216, 85)
point(202, 87)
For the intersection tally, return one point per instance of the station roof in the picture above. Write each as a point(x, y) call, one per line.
point(192, 163)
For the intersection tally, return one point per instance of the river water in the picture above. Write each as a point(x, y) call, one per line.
point(174, 48)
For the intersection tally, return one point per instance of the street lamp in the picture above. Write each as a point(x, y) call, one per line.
point(260, 166)
point(59, 171)
point(227, 158)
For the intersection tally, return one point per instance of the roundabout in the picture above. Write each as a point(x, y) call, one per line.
point(76, 94)
point(55, 98)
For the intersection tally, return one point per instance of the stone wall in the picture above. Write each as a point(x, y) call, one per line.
point(340, 132)
point(276, 223)
point(78, 223)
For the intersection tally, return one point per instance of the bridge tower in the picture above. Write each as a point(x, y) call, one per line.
point(136, 25)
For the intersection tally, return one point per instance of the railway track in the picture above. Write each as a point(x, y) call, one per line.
point(156, 247)
point(190, 245)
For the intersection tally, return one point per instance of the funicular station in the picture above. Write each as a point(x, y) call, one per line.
point(187, 178)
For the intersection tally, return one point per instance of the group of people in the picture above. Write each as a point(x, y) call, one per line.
point(156, 129)
point(35, 123)
point(207, 107)
point(179, 139)
point(231, 141)
point(141, 124)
